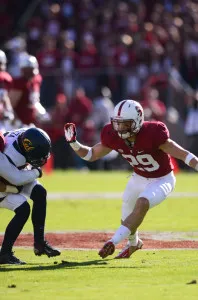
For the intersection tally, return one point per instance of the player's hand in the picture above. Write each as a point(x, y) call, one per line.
point(40, 171)
point(70, 132)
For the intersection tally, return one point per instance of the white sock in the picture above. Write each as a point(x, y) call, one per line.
point(122, 233)
point(133, 239)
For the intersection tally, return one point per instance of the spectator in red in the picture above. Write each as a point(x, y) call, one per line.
point(17, 47)
point(159, 82)
point(88, 62)
point(25, 93)
point(57, 118)
point(49, 60)
point(124, 59)
point(68, 65)
point(53, 22)
point(124, 56)
point(6, 111)
point(54, 128)
point(121, 17)
point(35, 31)
point(49, 56)
point(79, 112)
point(154, 109)
point(7, 19)
point(80, 107)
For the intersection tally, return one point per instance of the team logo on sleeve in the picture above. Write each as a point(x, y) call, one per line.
point(27, 144)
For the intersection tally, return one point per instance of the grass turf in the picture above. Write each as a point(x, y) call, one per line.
point(150, 275)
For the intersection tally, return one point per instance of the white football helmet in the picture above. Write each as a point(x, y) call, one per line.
point(29, 61)
point(128, 118)
point(3, 59)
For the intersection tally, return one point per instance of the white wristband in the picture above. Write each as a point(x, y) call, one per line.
point(196, 167)
point(11, 189)
point(75, 146)
point(188, 158)
point(89, 154)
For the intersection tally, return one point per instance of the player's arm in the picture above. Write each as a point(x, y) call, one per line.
point(175, 150)
point(15, 96)
point(92, 153)
point(15, 176)
point(85, 152)
point(3, 186)
point(4, 98)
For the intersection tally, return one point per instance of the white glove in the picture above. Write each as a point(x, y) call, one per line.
point(70, 132)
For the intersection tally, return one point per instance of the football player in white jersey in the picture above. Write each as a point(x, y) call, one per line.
point(25, 148)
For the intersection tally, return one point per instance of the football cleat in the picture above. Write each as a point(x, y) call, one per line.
point(129, 250)
point(45, 249)
point(107, 249)
point(10, 259)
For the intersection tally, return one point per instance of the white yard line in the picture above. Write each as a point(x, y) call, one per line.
point(105, 195)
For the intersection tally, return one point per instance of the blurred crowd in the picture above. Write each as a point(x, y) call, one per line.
point(85, 56)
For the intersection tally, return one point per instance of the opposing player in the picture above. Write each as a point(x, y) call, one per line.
point(13, 177)
point(147, 147)
point(25, 147)
point(25, 92)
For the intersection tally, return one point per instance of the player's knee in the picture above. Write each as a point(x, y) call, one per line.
point(39, 193)
point(23, 210)
point(142, 205)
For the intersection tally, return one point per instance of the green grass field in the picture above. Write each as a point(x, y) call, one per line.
point(150, 274)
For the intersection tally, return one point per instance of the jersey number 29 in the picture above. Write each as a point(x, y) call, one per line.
point(146, 161)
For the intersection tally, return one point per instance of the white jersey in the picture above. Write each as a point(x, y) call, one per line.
point(12, 159)
point(12, 150)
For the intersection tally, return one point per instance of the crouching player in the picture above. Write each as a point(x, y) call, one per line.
point(20, 148)
point(147, 147)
